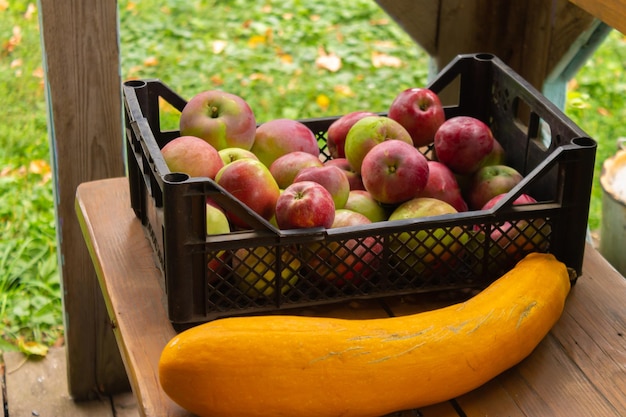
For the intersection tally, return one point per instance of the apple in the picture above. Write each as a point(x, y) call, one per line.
point(252, 183)
point(192, 156)
point(330, 177)
point(356, 183)
point(222, 119)
point(424, 251)
point(351, 260)
point(368, 132)
point(278, 137)
point(464, 143)
point(216, 224)
point(490, 181)
point(305, 204)
point(285, 168)
point(229, 155)
point(257, 270)
point(362, 202)
point(338, 130)
point(394, 171)
point(420, 111)
point(443, 185)
point(519, 237)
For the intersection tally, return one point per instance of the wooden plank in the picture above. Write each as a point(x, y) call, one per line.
point(84, 102)
point(611, 12)
point(38, 387)
point(417, 18)
point(593, 331)
point(132, 291)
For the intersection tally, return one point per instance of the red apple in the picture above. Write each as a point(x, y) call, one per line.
point(351, 260)
point(490, 181)
point(305, 204)
point(442, 184)
point(369, 132)
point(463, 143)
point(420, 111)
point(330, 177)
point(278, 137)
point(394, 171)
point(222, 119)
point(285, 168)
point(252, 183)
point(192, 156)
point(362, 202)
point(338, 130)
point(517, 238)
point(425, 250)
point(356, 183)
point(229, 155)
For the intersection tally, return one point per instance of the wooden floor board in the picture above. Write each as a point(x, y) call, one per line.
point(38, 387)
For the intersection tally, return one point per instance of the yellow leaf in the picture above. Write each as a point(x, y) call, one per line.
point(343, 90)
point(323, 101)
point(32, 348)
point(4, 4)
point(256, 40)
point(38, 72)
point(383, 60)
point(16, 63)
point(39, 166)
point(151, 61)
point(330, 62)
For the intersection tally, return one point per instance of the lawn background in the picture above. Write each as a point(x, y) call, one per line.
point(291, 59)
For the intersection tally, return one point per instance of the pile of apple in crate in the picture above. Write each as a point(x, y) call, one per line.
point(411, 162)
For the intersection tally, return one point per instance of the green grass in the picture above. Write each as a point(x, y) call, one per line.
point(270, 55)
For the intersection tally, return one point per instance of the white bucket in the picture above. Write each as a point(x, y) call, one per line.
point(613, 229)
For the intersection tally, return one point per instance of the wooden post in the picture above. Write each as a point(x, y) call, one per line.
point(81, 55)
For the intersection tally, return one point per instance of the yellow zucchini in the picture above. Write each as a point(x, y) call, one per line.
point(323, 367)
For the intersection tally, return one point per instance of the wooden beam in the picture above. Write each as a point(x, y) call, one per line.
point(611, 12)
point(81, 56)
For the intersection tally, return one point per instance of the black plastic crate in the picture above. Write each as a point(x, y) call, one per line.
point(442, 253)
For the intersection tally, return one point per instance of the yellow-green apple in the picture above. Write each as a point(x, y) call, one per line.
point(285, 168)
point(252, 183)
point(258, 271)
point(351, 260)
point(368, 132)
point(229, 155)
point(443, 185)
point(356, 183)
point(223, 119)
point(330, 177)
point(362, 202)
point(420, 111)
point(278, 137)
point(425, 250)
point(192, 156)
point(338, 130)
point(519, 237)
point(216, 224)
point(394, 171)
point(464, 144)
point(488, 182)
point(305, 204)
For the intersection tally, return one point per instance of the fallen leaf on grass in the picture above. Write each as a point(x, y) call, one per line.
point(323, 101)
point(383, 60)
point(32, 348)
point(219, 46)
point(327, 61)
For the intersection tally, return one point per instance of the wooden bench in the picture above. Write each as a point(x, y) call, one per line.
point(579, 369)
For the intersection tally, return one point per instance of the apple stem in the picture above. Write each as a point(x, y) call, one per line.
point(214, 113)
